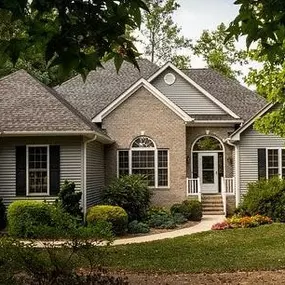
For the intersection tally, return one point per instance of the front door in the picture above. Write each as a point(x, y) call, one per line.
point(208, 172)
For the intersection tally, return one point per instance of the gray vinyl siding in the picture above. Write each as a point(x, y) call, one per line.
point(70, 163)
point(186, 96)
point(95, 173)
point(250, 142)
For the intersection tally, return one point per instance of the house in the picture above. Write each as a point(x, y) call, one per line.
point(190, 131)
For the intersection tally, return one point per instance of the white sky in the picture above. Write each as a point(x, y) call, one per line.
point(194, 16)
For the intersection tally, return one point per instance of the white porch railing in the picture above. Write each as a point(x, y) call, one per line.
point(194, 187)
point(228, 188)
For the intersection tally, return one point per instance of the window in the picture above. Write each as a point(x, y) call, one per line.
point(144, 158)
point(275, 162)
point(37, 170)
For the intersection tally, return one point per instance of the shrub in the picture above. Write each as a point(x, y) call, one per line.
point(190, 209)
point(24, 216)
point(179, 218)
point(160, 218)
point(2, 214)
point(266, 197)
point(221, 226)
point(136, 227)
point(115, 215)
point(69, 199)
point(131, 193)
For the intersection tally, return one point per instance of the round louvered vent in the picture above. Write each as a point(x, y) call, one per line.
point(169, 78)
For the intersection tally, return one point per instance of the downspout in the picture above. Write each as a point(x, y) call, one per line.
point(237, 170)
point(85, 175)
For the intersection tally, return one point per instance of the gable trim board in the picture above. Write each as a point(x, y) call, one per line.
point(193, 83)
point(235, 136)
point(145, 84)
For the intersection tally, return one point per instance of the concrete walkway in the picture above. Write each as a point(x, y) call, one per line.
point(204, 225)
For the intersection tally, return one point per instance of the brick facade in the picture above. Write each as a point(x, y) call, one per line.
point(142, 113)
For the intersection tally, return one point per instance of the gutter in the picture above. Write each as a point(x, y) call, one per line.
point(85, 174)
point(237, 169)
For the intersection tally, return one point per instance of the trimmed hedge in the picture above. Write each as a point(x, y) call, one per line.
point(115, 215)
point(24, 216)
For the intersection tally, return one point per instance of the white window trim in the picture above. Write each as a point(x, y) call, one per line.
point(27, 170)
point(279, 160)
point(155, 164)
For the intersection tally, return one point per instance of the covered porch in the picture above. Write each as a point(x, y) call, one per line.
point(211, 173)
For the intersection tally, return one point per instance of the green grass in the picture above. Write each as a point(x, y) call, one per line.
point(259, 248)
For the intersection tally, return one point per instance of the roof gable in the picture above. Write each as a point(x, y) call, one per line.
point(186, 96)
point(145, 84)
point(194, 84)
point(27, 105)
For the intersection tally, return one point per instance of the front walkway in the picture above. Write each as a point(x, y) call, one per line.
point(204, 225)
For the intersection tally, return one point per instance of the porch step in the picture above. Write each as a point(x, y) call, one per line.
point(212, 204)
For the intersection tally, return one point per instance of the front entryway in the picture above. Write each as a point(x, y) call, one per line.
point(208, 172)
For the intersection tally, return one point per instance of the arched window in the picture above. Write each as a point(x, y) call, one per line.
point(144, 158)
point(207, 143)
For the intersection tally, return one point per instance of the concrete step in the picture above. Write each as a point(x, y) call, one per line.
point(213, 213)
point(212, 202)
point(218, 209)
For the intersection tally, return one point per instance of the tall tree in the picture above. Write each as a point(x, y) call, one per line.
point(73, 35)
point(219, 55)
point(161, 36)
point(263, 22)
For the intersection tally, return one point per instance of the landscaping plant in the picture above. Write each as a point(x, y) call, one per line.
point(69, 199)
point(190, 209)
point(114, 215)
point(136, 227)
point(2, 214)
point(131, 192)
point(265, 197)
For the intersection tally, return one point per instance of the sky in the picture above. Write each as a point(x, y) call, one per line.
point(194, 16)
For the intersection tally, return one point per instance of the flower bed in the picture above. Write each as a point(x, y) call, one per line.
point(242, 222)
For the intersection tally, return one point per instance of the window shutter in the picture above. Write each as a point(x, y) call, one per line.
point(261, 163)
point(21, 170)
point(54, 169)
point(195, 165)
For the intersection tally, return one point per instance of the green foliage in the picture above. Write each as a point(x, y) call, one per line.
point(51, 265)
point(136, 227)
point(266, 197)
point(219, 55)
point(161, 36)
point(115, 215)
point(161, 221)
point(73, 36)
point(2, 214)
point(131, 193)
point(69, 199)
point(190, 209)
point(24, 216)
point(261, 21)
point(179, 218)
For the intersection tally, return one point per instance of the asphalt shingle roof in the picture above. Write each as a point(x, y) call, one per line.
point(242, 101)
point(103, 86)
point(28, 105)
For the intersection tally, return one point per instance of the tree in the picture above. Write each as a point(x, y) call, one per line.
point(219, 55)
point(162, 40)
point(73, 35)
point(263, 22)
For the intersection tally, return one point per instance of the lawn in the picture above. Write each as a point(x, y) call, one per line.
point(259, 248)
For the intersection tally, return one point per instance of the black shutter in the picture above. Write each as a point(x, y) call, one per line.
point(21, 170)
point(195, 165)
point(54, 169)
point(261, 163)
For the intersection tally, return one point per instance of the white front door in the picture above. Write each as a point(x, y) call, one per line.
point(208, 172)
